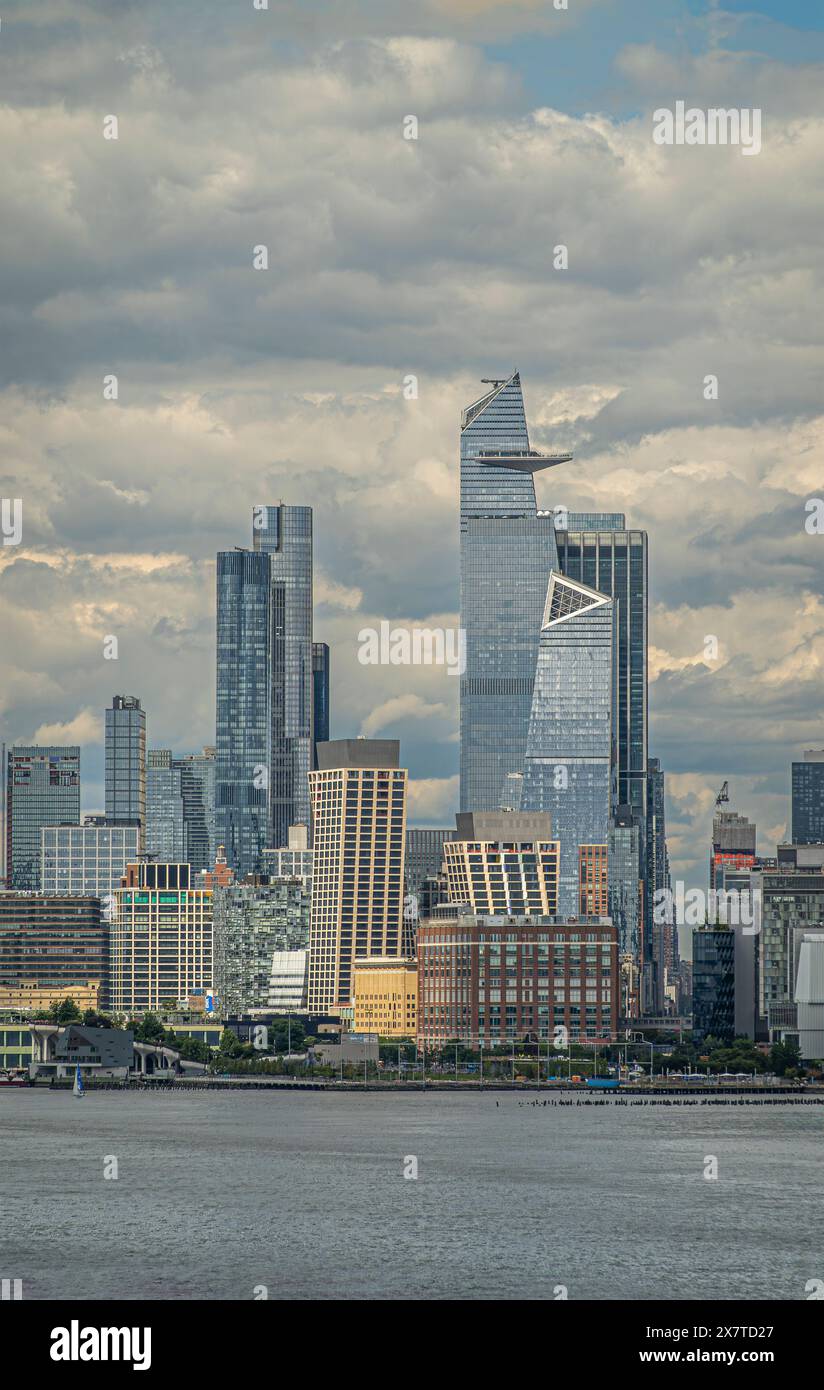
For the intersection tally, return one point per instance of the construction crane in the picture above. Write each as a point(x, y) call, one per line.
point(723, 795)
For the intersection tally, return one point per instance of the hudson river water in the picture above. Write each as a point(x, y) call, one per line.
point(304, 1193)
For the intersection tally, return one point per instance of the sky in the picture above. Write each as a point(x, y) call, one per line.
point(389, 258)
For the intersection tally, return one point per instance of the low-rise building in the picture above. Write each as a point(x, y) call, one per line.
point(386, 996)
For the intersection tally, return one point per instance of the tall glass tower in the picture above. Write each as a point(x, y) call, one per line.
point(264, 686)
point(126, 762)
point(242, 736)
point(569, 767)
point(285, 535)
point(507, 552)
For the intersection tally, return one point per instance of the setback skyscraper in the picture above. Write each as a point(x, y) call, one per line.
point(265, 690)
point(507, 553)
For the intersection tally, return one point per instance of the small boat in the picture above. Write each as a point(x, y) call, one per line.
point(77, 1088)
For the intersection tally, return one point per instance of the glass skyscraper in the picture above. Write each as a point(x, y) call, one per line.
point(42, 788)
point(614, 561)
point(285, 535)
point(507, 552)
point(320, 697)
point(808, 799)
point(243, 700)
point(126, 762)
point(265, 693)
point(180, 798)
point(569, 766)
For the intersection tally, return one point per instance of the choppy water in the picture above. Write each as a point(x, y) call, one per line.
point(305, 1194)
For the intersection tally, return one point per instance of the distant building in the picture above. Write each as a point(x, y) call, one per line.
point(42, 787)
point(161, 939)
point(808, 799)
point(359, 827)
point(257, 925)
point(424, 855)
point(89, 859)
point(713, 982)
point(126, 762)
point(52, 947)
point(791, 903)
point(733, 843)
point(809, 996)
point(293, 861)
point(570, 753)
point(625, 865)
point(500, 979)
point(320, 697)
point(593, 887)
point(219, 875)
point(287, 981)
point(180, 805)
point(386, 997)
point(503, 862)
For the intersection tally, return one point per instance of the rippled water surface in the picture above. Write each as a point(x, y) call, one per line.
point(304, 1193)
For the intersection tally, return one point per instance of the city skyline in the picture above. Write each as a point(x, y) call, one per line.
point(312, 408)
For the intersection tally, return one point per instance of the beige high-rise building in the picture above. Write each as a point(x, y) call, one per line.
point(503, 862)
point(358, 796)
point(160, 939)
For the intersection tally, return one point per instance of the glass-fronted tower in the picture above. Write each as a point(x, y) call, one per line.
point(808, 799)
point(320, 696)
point(570, 756)
point(242, 736)
point(285, 535)
point(507, 552)
point(42, 788)
point(126, 762)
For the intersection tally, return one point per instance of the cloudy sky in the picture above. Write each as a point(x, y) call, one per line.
point(240, 127)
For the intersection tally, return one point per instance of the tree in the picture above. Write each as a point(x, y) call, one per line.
point(150, 1030)
point(65, 1011)
point(784, 1057)
point(92, 1019)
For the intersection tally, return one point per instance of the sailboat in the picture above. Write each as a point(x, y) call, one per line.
point(77, 1089)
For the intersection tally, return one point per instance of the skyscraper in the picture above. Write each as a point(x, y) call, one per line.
point(244, 643)
point(359, 820)
point(180, 800)
point(126, 762)
point(570, 750)
point(733, 843)
point(285, 535)
point(89, 859)
point(320, 696)
point(42, 788)
point(613, 560)
point(808, 799)
point(507, 552)
point(265, 690)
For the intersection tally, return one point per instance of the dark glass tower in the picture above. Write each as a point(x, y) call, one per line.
point(285, 535)
point(126, 762)
point(615, 563)
point(265, 691)
point(244, 642)
point(808, 799)
point(507, 553)
point(42, 788)
point(320, 697)
point(180, 797)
